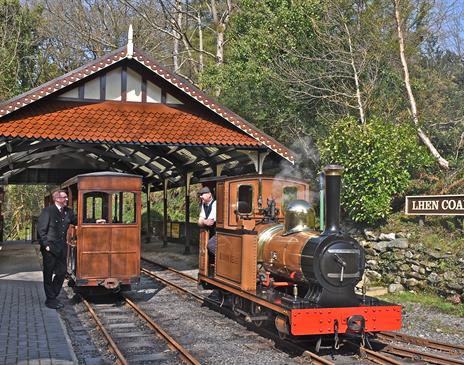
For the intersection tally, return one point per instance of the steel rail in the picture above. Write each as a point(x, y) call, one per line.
point(400, 337)
point(315, 359)
point(378, 358)
point(415, 354)
point(164, 281)
point(170, 269)
point(172, 343)
point(113, 347)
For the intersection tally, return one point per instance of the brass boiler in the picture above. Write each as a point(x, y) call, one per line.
point(280, 245)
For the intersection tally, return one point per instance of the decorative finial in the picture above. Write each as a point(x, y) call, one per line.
point(130, 44)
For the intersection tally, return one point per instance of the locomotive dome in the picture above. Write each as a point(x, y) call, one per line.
point(299, 217)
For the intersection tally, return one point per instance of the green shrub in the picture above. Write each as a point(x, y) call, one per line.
point(378, 158)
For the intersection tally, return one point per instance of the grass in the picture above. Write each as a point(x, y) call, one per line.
point(428, 300)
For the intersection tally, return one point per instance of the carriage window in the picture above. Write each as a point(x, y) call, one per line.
point(245, 199)
point(289, 195)
point(123, 207)
point(96, 207)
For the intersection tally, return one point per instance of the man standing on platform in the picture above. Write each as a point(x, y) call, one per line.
point(52, 227)
point(207, 217)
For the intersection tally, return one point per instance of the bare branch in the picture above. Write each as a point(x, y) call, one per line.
point(407, 83)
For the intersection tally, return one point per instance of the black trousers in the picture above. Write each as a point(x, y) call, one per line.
point(212, 243)
point(53, 263)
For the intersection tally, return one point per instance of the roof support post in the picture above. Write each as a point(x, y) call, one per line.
point(261, 157)
point(165, 212)
point(2, 195)
point(219, 168)
point(149, 228)
point(187, 178)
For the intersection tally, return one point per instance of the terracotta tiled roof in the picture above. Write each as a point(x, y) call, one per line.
point(120, 122)
point(140, 57)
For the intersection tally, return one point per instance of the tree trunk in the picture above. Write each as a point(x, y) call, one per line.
point(175, 51)
point(200, 44)
point(356, 79)
point(220, 23)
point(412, 101)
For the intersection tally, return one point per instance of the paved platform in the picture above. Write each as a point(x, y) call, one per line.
point(30, 333)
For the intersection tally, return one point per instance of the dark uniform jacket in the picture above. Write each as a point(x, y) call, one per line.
point(52, 227)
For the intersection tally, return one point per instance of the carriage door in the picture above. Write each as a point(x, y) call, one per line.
point(125, 235)
point(95, 245)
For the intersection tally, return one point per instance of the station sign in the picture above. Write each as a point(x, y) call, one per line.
point(175, 230)
point(435, 205)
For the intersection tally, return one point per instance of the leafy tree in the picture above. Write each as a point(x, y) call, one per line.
point(22, 202)
point(259, 32)
point(379, 158)
point(176, 204)
point(19, 47)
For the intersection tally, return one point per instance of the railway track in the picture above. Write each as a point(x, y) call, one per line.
point(235, 335)
point(385, 349)
point(436, 345)
point(134, 337)
point(165, 279)
point(417, 348)
point(388, 354)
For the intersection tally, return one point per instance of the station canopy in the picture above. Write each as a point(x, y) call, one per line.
point(125, 113)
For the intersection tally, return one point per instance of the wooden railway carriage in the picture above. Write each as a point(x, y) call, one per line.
point(104, 247)
point(272, 264)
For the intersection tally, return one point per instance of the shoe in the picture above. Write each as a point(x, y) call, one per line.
point(59, 305)
point(53, 304)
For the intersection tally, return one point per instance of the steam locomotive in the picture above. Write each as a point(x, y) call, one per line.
point(272, 264)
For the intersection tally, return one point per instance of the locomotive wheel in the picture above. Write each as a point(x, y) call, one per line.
point(257, 310)
point(282, 327)
point(237, 304)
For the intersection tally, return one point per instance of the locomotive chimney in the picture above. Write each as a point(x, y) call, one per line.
point(333, 175)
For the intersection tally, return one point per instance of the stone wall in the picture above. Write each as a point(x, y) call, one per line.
point(393, 261)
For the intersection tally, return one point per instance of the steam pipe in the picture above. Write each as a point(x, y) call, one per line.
point(333, 175)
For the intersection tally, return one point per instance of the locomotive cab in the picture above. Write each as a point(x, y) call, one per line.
point(240, 216)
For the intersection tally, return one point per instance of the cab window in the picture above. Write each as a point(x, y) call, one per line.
point(290, 193)
point(123, 207)
point(245, 199)
point(95, 207)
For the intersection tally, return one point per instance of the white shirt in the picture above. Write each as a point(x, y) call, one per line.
point(212, 215)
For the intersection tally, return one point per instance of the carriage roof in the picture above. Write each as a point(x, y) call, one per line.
point(108, 174)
